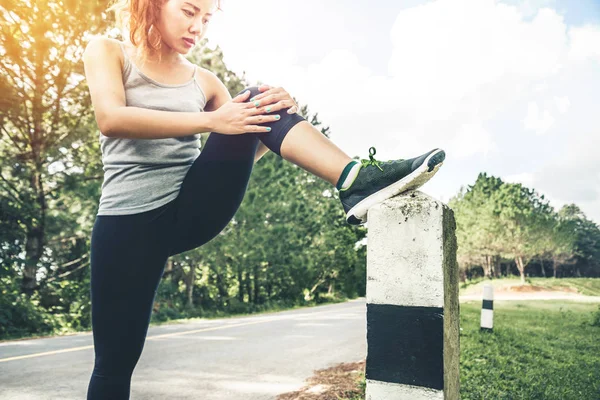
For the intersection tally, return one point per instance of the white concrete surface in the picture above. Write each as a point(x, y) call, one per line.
point(404, 252)
point(377, 390)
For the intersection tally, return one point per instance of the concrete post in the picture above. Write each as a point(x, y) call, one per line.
point(487, 308)
point(412, 300)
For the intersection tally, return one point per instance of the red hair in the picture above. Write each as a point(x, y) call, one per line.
point(138, 17)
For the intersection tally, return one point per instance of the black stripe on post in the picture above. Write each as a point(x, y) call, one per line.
point(405, 345)
point(488, 304)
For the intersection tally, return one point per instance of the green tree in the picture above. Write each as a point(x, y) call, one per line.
point(579, 241)
point(521, 213)
point(477, 224)
point(45, 117)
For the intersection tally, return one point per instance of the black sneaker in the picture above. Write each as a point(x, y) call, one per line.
point(377, 181)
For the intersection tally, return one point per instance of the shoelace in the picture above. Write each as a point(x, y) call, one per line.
point(372, 161)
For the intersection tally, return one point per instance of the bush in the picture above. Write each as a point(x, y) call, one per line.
point(21, 316)
point(596, 317)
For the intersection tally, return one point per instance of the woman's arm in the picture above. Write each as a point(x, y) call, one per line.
point(144, 123)
point(103, 73)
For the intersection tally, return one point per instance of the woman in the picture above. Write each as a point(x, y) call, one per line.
point(161, 196)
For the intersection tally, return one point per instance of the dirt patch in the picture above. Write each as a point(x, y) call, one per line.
point(532, 288)
point(338, 382)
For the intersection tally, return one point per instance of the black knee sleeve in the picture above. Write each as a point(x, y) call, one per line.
point(279, 129)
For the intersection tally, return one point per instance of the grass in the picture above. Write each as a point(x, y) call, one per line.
point(585, 286)
point(537, 350)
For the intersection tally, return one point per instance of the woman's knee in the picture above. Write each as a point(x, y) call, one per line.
point(253, 92)
point(280, 128)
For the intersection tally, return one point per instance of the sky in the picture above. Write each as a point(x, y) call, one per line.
point(511, 87)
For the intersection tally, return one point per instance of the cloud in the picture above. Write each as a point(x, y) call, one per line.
point(585, 44)
point(471, 139)
point(529, 8)
point(485, 80)
point(525, 178)
point(537, 121)
point(562, 103)
point(455, 65)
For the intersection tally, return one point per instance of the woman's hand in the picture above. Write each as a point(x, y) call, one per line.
point(274, 99)
point(238, 116)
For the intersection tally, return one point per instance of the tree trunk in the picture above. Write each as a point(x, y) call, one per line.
point(316, 285)
point(269, 281)
point(497, 267)
point(543, 269)
point(240, 277)
point(34, 246)
point(521, 268)
point(554, 266)
point(169, 265)
point(168, 271)
point(330, 290)
point(35, 241)
point(222, 289)
point(488, 266)
point(249, 287)
point(269, 286)
point(189, 285)
point(256, 284)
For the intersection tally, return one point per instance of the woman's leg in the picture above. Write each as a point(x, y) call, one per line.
point(307, 147)
point(215, 184)
point(128, 256)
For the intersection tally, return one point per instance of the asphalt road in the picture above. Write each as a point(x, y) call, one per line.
point(247, 358)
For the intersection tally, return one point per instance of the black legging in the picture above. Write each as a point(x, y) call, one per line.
point(129, 252)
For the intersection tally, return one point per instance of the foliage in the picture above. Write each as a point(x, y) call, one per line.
point(20, 315)
point(499, 223)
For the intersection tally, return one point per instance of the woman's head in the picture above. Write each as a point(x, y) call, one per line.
point(152, 24)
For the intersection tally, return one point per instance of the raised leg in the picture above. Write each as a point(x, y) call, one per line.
point(212, 190)
point(216, 183)
point(308, 148)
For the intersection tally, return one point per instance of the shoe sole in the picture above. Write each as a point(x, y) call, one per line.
point(412, 181)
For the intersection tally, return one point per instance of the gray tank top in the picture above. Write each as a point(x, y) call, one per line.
point(143, 174)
